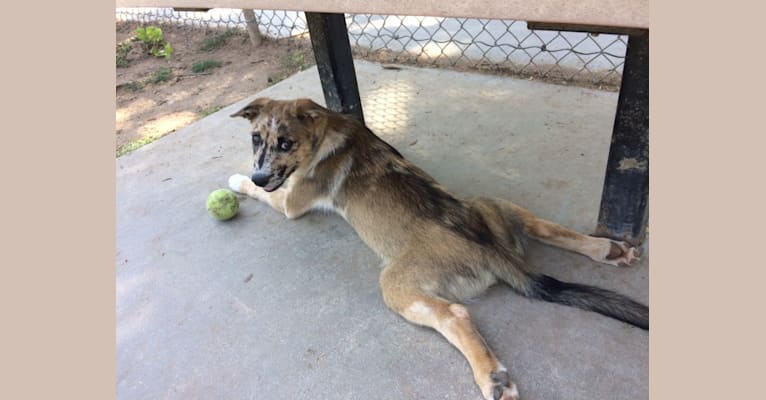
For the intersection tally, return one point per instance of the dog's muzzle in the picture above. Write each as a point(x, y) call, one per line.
point(261, 178)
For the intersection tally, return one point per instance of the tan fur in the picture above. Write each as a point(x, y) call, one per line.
point(438, 250)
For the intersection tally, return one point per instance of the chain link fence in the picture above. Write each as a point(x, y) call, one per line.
point(498, 46)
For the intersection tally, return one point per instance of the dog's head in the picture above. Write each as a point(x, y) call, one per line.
point(287, 136)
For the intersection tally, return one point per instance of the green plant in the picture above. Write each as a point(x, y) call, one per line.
point(161, 75)
point(202, 66)
point(154, 43)
point(209, 110)
point(122, 54)
point(166, 51)
point(289, 64)
point(122, 26)
point(134, 86)
point(295, 61)
point(135, 144)
point(217, 40)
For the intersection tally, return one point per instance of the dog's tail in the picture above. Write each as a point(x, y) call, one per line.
point(590, 298)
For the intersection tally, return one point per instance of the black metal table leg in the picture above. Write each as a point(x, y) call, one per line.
point(332, 50)
point(624, 208)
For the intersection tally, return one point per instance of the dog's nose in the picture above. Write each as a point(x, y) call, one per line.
point(260, 179)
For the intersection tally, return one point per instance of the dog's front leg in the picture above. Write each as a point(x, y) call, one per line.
point(292, 202)
point(242, 184)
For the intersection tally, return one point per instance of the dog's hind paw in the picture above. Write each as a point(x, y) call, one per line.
point(622, 254)
point(502, 387)
point(241, 184)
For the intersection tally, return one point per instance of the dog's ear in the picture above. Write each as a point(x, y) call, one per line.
point(251, 111)
point(332, 142)
point(320, 120)
point(306, 109)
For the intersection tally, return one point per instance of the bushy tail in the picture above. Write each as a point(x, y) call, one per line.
point(591, 298)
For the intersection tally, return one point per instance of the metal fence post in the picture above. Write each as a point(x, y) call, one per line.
point(251, 22)
point(332, 50)
point(624, 208)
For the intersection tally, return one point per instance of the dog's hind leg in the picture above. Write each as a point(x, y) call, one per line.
point(402, 293)
point(599, 249)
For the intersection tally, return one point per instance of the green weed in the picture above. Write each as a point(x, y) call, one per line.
point(202, 66)
point(123, 49)
point(217, 40)
point(161, 75)
point(294, 61)
point(135, 86)
point(135, 144)
point(290, 64)
point(209, 110)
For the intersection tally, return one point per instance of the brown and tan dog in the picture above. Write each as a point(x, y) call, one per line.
point(438, 250)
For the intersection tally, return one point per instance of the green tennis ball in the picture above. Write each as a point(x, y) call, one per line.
point(222, 204)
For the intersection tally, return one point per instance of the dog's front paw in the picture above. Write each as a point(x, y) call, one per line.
point(241, 184)
point(622, 254)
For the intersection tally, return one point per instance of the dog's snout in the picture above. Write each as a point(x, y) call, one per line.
point(260, 178)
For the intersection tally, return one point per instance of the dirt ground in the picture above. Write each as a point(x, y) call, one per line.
point(156, 96)
point(149, 107)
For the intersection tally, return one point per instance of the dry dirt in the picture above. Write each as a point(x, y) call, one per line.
point(146, 110)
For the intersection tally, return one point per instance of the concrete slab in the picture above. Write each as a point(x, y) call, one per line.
point(261, 307)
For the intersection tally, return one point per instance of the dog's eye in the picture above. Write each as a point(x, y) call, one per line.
point(257, 139)
point(284, 144)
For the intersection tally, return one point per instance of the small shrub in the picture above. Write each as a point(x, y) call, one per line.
point(130, 146)
point(161, 75)
point(294, 61)
point(216, 41)
point(134, 86)
point(202, 66)
point(210, 110)
point(123, 26)
point(123, 49)
point(289, 64)
point(153, 41)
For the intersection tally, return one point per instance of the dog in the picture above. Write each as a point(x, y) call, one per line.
point(437, 249)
